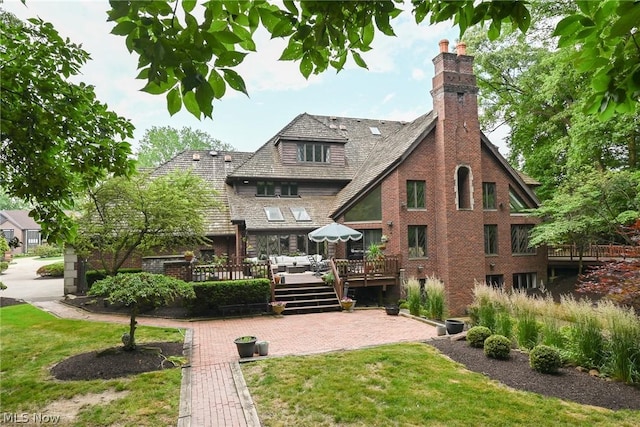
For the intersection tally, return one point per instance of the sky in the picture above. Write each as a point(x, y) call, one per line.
point(395, 87)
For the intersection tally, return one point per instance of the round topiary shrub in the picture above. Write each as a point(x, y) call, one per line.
point(477, 335)
point(51, 270)
point(497, 347)
point(545, 359)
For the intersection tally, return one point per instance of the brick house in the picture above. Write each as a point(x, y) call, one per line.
point(436, 188)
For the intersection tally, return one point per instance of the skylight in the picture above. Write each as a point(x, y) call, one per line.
point(374, 130)
point(300, 214)
point(273, 214)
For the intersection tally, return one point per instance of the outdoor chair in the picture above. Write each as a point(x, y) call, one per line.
point(317, 267)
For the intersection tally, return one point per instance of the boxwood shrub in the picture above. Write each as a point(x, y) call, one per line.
point(51, 270)
point(497, 347)
point(3, 266)
point(477, 335)
point(210, 296)
point(545, 359)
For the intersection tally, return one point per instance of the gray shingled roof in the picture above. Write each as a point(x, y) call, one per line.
point(384, 155)
point(250, 209)
point(213, 169)
point(354, 132)
point(20, 218)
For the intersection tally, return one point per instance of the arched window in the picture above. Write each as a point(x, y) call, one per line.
point(463, 188)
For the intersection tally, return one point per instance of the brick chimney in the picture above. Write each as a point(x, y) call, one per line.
point(459, 217)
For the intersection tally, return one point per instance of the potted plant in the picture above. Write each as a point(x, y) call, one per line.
point(347, 304)
point(454, 326)
point(278, 307)
point(328, 278)
point(246, 345)
point(188, 256)
point(392, 309)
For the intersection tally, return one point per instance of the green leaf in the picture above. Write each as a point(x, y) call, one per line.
point(217, 84)
point(568, 25)
point(368, 33)
point(358, 59)
point(292, 52)
point(234, 80)
point(306, 66)
point(624, 25)
point(174, 101)
point(226, 37)
point(230, 59)
point(191, 103)
point(204, 96)
point(124, 28)
point(188, 5)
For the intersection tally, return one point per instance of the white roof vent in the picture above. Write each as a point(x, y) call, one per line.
point(227, 158)
point(343, 127)
point(213, 153)
point(332, 126)
point(196, 157)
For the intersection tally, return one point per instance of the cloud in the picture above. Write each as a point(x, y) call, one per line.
point(418, 74)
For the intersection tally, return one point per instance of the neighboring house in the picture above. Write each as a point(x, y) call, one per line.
point(18, 223)
point(438, 189)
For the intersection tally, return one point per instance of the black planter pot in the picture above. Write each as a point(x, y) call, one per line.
point(454, 326)
point(392, 310)
point(246, 346)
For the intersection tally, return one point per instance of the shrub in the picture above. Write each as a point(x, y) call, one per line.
point(587, 341)
point(47, 251)
point(3, 266)
point(497, 347)
point(477, 335)
point(93, 276)
point(51, 270)
point(545, 359)
point(211, 295)
point(623, 357)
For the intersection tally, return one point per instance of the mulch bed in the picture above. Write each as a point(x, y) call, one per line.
point(100, 305)
point(6, 302)
point(568, 384)
point(115, 362)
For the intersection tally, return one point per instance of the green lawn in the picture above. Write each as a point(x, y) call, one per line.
point(403, 385)
point(31, 341)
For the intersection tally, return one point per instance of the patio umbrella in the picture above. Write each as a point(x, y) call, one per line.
point(333, 233)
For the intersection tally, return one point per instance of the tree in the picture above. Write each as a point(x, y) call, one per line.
point(126, 216)
point(10, 203)
point(56, 138)
point(140, 289)
point(191, 58)
point(619, 281)
point(535, 88)
point(161, 144)
point(590, 207)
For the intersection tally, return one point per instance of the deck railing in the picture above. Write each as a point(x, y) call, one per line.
point(596, 252)
point(230, 271)
point(366, 270)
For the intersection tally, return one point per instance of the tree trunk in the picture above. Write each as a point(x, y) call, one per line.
point(131, 345)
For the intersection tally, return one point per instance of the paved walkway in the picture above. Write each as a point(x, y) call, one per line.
point(216, 394)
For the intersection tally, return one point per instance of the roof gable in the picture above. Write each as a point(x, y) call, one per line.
point(20, 218)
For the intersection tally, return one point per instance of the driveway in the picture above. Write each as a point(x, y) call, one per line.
point(23, 283)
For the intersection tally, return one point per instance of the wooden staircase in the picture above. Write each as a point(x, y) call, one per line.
point(307, 297)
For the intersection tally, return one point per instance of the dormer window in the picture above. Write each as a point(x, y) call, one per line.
point(288, 189)
point(314, 153)
point(266, 188)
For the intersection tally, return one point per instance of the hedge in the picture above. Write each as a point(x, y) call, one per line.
point(51, 270)
point(210, 296)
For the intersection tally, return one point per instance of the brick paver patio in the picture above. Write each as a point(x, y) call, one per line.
point(215, 399)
